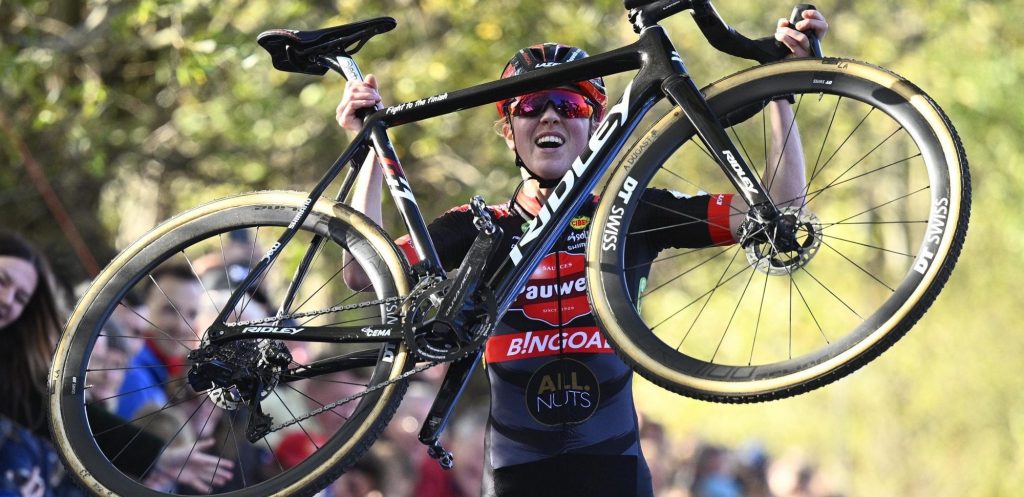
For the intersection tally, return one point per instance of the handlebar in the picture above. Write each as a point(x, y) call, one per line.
point(721, 36)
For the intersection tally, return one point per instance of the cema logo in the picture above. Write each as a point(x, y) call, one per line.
point(579, 223)
point(562, 391)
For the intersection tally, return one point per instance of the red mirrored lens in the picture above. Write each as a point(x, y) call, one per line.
point(568, 104)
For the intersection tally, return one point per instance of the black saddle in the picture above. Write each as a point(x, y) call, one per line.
point(297, 51)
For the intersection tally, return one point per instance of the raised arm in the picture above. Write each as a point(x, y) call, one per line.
point(366, 197)
point(785, 175)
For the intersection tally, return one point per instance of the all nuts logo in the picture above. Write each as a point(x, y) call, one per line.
point(558, 284)
point(562, 391)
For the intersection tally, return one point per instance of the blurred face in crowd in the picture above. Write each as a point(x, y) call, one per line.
point(133, 324)
point(173, 305)
point(18, 280)
point(107, 372)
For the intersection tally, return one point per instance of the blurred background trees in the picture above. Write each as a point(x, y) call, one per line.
point(121, 113)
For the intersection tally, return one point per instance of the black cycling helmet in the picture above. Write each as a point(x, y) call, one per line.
point(547, 55)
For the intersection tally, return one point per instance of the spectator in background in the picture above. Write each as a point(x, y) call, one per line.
point(30, 324)
point(173, 303)
point(140, 391)
point(715, 474)
point(30, 319)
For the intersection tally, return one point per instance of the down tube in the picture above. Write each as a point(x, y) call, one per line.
point(569, 195)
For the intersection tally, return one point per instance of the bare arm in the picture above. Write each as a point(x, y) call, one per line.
point(366, 197)
point(785, 175)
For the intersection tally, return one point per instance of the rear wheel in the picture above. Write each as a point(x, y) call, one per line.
point(884, 220)
point(162, 293)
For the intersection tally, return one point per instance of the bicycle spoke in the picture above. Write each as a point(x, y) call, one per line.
point(297, 422)
point(859, 176)
point(824, 140)
point(897, 199)
point(329, 280)
point(227, 275)
point(321, 404)
point(735, 310)
point(858, 266)
point(684, 273)
point(213, 305)
point(857, 162)
point(785, 143)
point(711, 295)
point(663, 259)
point(155, 327)
point(843, 144)
point(157, 285)
point(757, 324)
point(238, 448)
point(876, 247)
point(809, 310)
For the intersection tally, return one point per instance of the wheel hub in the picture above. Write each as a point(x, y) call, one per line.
point(784, 245)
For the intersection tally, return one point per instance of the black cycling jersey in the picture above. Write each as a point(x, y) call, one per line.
point(562, 408)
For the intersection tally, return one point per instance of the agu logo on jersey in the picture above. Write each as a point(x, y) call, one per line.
point(562, 391)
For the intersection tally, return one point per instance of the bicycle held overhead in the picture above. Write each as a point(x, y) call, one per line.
point(310, 319)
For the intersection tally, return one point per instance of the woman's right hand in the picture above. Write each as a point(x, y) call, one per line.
point(358, 95)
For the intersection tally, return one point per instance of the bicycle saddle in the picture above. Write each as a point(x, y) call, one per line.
point(297, 51)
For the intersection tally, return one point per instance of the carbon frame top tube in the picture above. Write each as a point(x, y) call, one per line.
point(655, 59)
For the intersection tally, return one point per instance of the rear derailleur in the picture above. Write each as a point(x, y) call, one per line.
point(240, 373)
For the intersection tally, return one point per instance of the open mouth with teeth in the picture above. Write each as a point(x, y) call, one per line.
point(549, 141)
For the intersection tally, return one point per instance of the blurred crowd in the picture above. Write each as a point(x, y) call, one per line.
point(681, 466)
point(154, 427)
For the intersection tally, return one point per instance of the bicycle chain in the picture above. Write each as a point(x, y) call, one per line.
point(332, 405)
point(341, 308)
point(321, 312)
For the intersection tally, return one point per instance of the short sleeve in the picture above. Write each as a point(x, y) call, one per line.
point(669, 219)
point(452, 233)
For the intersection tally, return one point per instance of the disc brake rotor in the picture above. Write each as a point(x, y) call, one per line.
point(767, 258)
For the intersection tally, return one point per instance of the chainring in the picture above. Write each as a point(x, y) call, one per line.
point(430, 341)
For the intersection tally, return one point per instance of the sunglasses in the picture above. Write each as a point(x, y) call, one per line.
point(568, 104)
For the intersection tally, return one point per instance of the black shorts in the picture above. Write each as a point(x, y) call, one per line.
point(571, 475)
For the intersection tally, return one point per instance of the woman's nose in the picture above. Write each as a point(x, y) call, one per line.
point(7, 293)
point(550, 115)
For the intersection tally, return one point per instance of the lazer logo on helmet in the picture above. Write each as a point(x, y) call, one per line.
point(616, 119)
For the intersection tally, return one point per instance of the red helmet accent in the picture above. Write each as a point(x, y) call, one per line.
point(549, 54)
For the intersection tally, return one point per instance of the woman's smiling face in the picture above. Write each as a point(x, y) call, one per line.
point(18, 281)
point(548, 143)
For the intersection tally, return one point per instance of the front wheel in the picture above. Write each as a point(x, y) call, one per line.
point(881, 224)
point(125, 415)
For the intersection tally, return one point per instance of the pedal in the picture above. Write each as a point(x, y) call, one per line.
point(443, 456)
point(481, 217)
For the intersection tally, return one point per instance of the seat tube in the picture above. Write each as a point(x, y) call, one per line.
point(401, 192)
point(681, 89)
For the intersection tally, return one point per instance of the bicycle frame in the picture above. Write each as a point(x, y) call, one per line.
point(660, 72)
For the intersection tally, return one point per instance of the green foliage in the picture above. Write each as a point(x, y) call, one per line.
point(139, 109)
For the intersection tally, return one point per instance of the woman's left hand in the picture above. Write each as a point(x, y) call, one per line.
point(795, 39)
